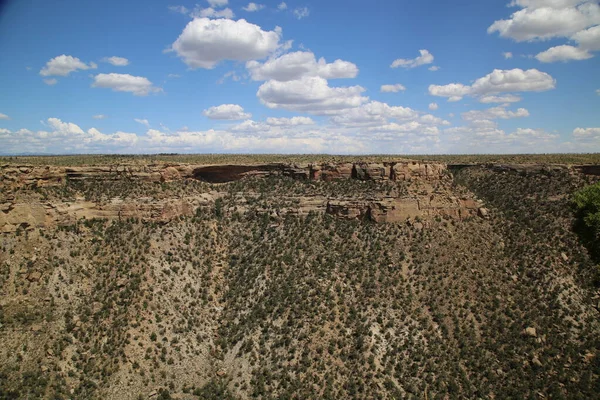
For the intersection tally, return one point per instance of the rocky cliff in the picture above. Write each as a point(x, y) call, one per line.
point(426, 191)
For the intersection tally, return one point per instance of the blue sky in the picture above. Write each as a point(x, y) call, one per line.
point(341, 77)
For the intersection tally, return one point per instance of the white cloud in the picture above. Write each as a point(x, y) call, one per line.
point(588, 39)
point(545, 20)
point(433, 106)
point(310, 94)
point(409, 127)
point(294, 121)
point(204, 42)
point(530, 137)
point(138, 85)
point(586, 133)
point(218, 3)
point(498, 81)
point(455, 91)
point(116, 61)
point(63, 65)
point(99, 116)
point(293, 66)
point(179, 9)
point(282, 6)
point(301, 12)
point(598, 92)
point(51, 81)
point(227, 112)
point(392, 88)
point(425, 58)
point(210, 12)
point(372, 114)
point(251, 126)
point(4, 116)
point(577, 20)
point(142, 121)
point(507, 55)
point(499, 112)
point(507, 98)
point(563, 53)
point(434, 68)
point(252, 7)
point(514, 80)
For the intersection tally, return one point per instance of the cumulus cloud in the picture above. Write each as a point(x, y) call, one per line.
point(301, 12)
point(4, 117)
point(546, 20)
point(507, 98)
point(433, 106)
point(142, 121)
point(498, 81)
point(252, 7)
point(434, 68)
point(372, 114)
point(218, 3)
point(576, 20)
point(483, 135)
point(99, 116)
point(294, 121)
point(116, 61)
point(63, 65)
point(310, 94)
point(65, 137)
point(563, 53)
point(454, 91)
point(507, 55)
point(138, 85)
point(205, 42)
point(586, 133)
point(588, 39)
point(425, 58)
point(226, 112)
point(499, 112)
point(210, 12)
point(179, 9)
point(392, 88)
point(282, 6)
point(296, 65)
point(51, 81)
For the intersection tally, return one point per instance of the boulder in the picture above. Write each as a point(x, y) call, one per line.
point(530, 331)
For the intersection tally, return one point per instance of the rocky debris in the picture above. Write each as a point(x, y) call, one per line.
point(536, 361)
point(530, 331)
point(564, 257)
point(588, 357)
point(483, 212)
point(34, 276)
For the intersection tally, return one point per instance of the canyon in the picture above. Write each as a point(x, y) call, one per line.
point(428, 192)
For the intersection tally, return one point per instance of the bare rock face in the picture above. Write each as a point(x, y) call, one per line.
point(329, 172)
point(403, 171)
point(23, 215)
point(424, 199)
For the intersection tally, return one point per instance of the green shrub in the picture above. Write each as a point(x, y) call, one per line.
point(587, 205)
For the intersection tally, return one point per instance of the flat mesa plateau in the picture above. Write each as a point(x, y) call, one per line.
point(297, 277)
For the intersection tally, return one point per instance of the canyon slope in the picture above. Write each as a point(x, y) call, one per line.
point(350, 279)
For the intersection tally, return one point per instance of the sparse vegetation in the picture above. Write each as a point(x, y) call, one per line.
point(243, 298)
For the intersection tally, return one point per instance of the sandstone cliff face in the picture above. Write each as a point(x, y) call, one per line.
point(429, 192)
point(12, 176)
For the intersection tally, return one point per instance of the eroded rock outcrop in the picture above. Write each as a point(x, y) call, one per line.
point(427, 192)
